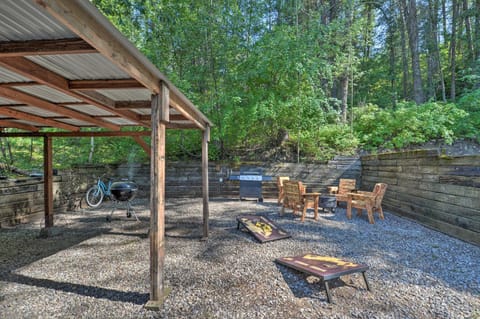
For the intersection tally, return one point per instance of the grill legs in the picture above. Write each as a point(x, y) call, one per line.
point(130, 210)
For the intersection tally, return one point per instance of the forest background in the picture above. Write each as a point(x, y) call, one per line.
point(297, 80)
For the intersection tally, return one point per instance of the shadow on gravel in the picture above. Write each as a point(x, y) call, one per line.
point(21, 247)
point(84, 290)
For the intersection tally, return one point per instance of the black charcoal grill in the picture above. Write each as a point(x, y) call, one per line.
point(123, 191)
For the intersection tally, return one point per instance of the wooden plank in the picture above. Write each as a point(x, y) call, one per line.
point(157, 199)
point(114, 84)
point(453, 202)
point(45, 47)
point(452, 230)
point(22, 126)
point(48, 181)
point(460, 180)
point(445, 211)
point(205, 190)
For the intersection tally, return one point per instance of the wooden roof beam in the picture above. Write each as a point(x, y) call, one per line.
point(133, 104)
point(37, 119)
point(22, 126)
point(44, 76)
point(45, 47)
point(77, 134)
point(43, 104)
point(104, 84)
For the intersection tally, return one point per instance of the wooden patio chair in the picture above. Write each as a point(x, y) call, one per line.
point(344, 187)
point(297, 199)
point(280, 180)
point(370, 201)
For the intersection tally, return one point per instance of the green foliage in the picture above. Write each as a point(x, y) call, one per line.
point(407, 125)
point(470, 126)
point(326, 141)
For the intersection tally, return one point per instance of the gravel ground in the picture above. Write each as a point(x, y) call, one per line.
point(89, 268)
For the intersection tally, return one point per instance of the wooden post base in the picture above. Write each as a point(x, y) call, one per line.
point(157, 305)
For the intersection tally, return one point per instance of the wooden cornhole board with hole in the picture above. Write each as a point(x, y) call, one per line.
point(324, 267)
point(262, 228)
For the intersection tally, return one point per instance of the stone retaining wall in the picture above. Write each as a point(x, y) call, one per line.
point(441, 192)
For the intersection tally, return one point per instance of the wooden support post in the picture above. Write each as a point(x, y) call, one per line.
point(205, 140)
point(47, 185)
point(160, 117)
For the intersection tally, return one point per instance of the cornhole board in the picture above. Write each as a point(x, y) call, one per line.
point(262, 228)
point(327, 268)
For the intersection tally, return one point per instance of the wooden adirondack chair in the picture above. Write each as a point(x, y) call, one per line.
point(345, 186)
point(297, 199)
point(370, 201)
point(280, 180)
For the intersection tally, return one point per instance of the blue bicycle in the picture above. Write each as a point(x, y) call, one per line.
point(97, 193)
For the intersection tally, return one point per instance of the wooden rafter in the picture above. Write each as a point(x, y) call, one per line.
point(77, 134)
point(22, 126)
point(132, 104)
point(45, 47)
point(44, 76)
point(37, 119)
point(105, 84)
point(43, 104)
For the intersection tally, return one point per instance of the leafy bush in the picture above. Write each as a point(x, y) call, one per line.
point(470, 126)
point(326, 141)
point(408, 124)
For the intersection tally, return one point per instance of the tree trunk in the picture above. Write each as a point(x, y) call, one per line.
point(92, 149)
point(433, 48)
point(444, 21)
point(403, 40)
point(476, 43)
point(412, 30)
point(477, 30)
point(468, 34)
point(453, 48)
point(344, 97)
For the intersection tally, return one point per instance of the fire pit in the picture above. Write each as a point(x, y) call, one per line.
point(123, 191)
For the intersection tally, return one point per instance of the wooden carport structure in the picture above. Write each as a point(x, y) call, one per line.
point(64, 65)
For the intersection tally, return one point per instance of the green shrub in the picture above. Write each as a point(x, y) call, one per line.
point(470, 126)
point(408, 124)
point(326, 141)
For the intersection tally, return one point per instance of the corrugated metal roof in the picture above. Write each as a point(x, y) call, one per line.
point(74, 122)
point(7, 76)
point(127, 94)
point(80, 66)
point(47, 93)
point(89, 109)
point(143, 111)
point(22, 20)
point(119, 121)
point(4, 101)
point(35, 111)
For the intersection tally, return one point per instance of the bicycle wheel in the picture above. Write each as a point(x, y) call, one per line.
point(94, 196)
